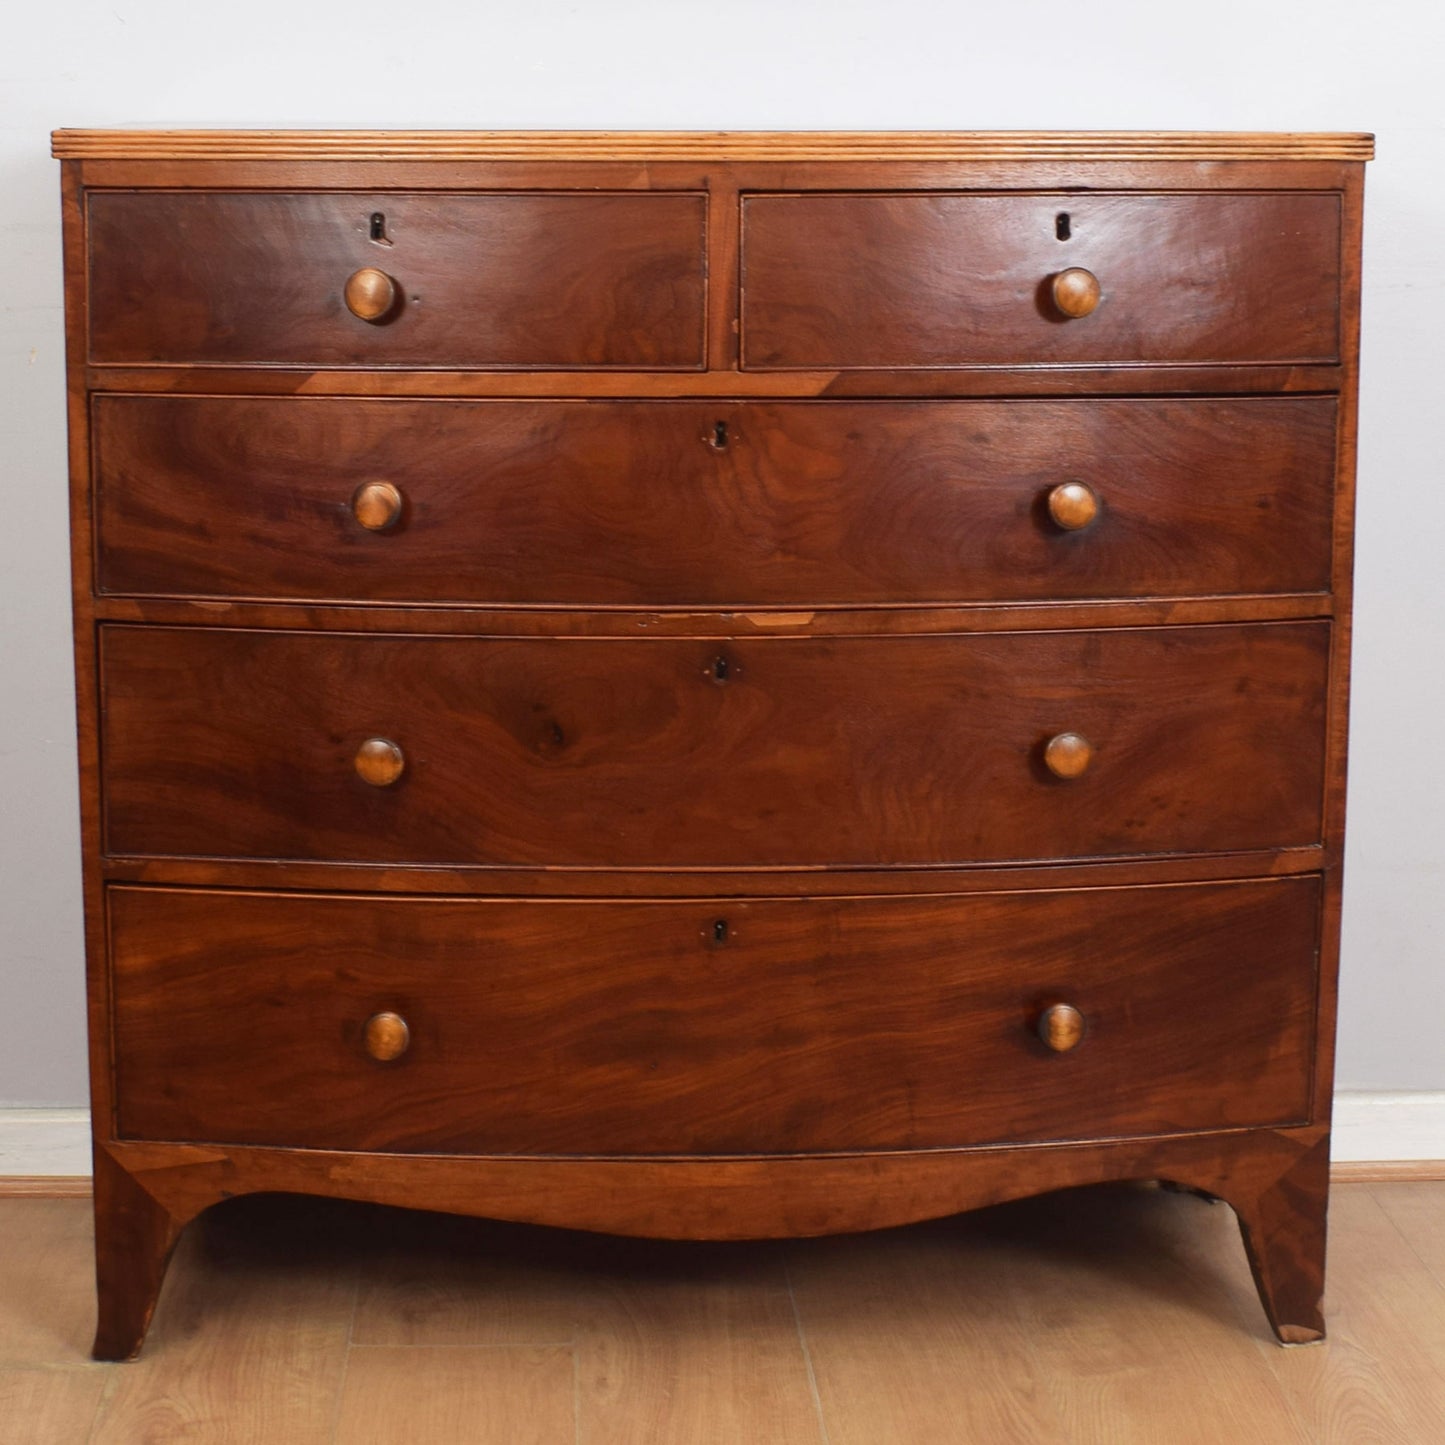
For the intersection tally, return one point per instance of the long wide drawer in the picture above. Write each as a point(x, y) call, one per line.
point(708, 504)
point(950, 279)
point(501, 279)
point(699, 753)
point(709, 1027)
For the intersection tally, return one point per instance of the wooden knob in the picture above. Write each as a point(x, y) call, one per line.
point(377, 505)
point(371, 294)
point(1066, 755)
point(1076, 291)
point(1073, 505)
point(386, 1036)
point(380, 762)
point(1060, 1027)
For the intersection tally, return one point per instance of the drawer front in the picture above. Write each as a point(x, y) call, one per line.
point(666, 752)
point(956, 280)
point(708, 504)
point(709, 1027)
point(484, 280)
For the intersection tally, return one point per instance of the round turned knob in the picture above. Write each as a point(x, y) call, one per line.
point(1067, 755)
point(1076, 291)
point(1073, 505)
point(377, 505)
point(1060, 1027)
point(386, 1036)
point(380, 762)
point(371, 294)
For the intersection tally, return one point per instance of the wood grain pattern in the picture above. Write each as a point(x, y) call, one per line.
point(1381, 1376)
point(48, 1405)
point(1414, 1208)
point(249, 1344)
point(710, 1027)
point(45, 1186)
point(1140, 1321)
point(697, 1345)
point(735, 503)
point(956, 280)
point(864, 383)
point(773, 751)
point(1075, 291)
point(47, 1283)
point(521, 1396)
point(1098, 1316)
point(720, 625)
point(134, 1237)
point(1119, 1315)
point(733, 1198)
point(650, 883)
point(896, 146)
point(772, 661)
point(486, 280)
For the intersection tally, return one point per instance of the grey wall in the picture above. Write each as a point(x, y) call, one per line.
point(765, 64)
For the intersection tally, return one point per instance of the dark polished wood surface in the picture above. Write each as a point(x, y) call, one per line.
point(926, 557)
point(710, 504)
point(710, 1027)
point(659, 753)
point(483, 280)
point(957, 280)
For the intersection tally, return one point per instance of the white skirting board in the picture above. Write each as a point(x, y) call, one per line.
point(1369, 1128)
point(44, 1142)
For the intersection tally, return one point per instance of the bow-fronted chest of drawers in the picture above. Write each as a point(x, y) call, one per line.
point(711, 686)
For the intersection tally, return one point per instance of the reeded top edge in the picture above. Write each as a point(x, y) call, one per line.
point(645, 146)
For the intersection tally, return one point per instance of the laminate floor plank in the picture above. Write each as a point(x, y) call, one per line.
point(1417, 1210)
point(520, 1395)
point(1138, 1306)
point(250, 1337)
point(1380, 1378)
point(693, 1345)
point(915, 1336)
point(50, 1406)
point(47, 1281)
point(1121, 1315)
point(686, 1343)
point(438, 1280)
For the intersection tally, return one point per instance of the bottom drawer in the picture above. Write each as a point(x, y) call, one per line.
point(769, 1026)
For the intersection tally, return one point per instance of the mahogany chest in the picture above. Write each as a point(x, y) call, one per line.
point(711, 686)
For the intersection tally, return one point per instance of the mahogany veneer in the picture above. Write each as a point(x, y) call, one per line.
point(967, 280)
point(735, 1027)
point(790, 504)
point(481, 280)
point(660, 753)
point(711, 686)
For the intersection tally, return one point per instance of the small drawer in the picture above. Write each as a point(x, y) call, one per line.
point(734, 504)
point(500, 279)
point(1067, 279)
point(738, 1026)
point(662, 752)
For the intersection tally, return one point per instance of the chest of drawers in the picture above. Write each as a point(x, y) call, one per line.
point(711, 686)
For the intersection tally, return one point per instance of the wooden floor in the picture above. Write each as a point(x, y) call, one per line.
point(1108, 1315)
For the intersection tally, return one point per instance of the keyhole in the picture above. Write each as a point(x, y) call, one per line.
point(1062, 227)
point(721, 669)
point(378, 228)
point(720, 931)
point(720, 436)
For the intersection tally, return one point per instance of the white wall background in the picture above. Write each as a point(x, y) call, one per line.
point(756, 64)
